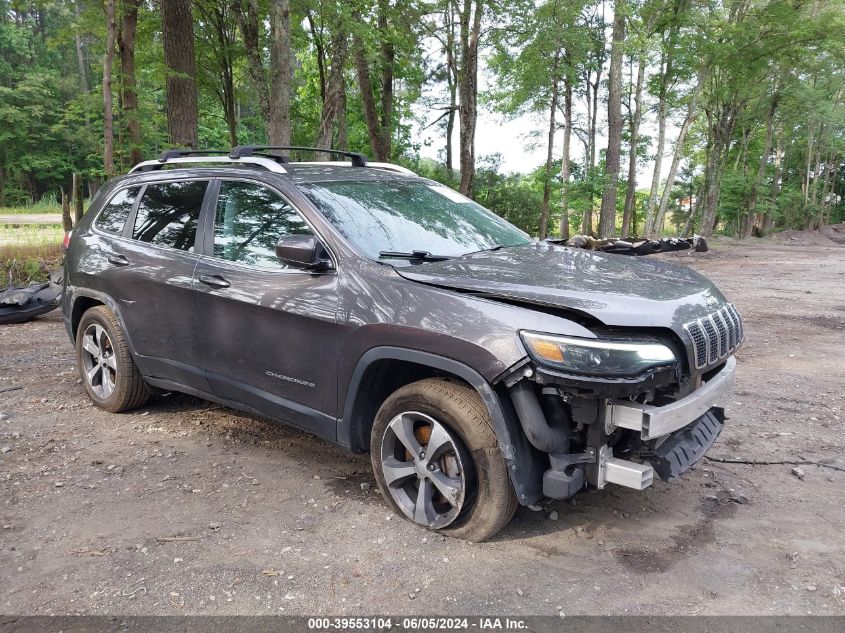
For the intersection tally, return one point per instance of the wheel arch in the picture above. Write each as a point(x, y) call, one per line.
point(382, 370)
point(83, 300)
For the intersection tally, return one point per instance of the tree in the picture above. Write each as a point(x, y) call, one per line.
point(607, 218)
point(272, 85)
point(129, 93)
point(182, 112)
point(378, 116)
point(469, 14)
point(108, 99)
point(217, 32)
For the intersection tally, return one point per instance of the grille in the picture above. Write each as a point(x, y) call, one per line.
point(715, 336)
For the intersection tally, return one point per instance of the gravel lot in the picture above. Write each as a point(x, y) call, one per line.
point(185, 507)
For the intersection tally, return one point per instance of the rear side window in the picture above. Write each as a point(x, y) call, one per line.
point(168, 214)
point(114, 214)
point(250, 220)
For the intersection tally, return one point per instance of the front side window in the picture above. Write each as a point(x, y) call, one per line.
point(168, 214)
point(114, 214)
point(249, 221)
point(410, 215)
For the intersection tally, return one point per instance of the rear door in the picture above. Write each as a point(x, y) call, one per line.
point(269, 330)
point(153, 266)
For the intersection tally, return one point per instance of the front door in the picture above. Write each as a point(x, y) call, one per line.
point(269, 330)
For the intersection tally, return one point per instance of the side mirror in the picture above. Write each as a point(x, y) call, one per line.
point(303, 251)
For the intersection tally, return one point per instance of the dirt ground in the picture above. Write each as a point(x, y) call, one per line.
point(184, 507)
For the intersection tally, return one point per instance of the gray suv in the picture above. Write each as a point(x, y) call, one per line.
point(387, 313)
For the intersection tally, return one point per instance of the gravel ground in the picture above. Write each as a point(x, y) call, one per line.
point(184, 507)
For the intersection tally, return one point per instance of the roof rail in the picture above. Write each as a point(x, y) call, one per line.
point(179, 153)
point(198, 157)
point(392, 167)
point(358, 160)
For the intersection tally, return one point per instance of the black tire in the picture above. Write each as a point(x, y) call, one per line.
point(129, 390)
point(491, 501)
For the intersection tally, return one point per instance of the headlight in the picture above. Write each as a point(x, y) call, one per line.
point(597, 357)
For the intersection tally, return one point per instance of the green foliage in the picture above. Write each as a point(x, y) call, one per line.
point(747, 55)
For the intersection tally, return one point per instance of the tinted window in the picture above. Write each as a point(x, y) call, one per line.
point(250, 219)
point(114, 214)
point(168, 214)
point(410, 215)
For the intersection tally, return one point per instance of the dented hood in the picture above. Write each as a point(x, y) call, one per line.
point(617, 290)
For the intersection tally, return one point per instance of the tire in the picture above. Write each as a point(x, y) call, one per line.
point(488, 501)
point(114, 384)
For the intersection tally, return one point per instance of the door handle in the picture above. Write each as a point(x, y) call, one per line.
point(215, 281)
point(118, 260)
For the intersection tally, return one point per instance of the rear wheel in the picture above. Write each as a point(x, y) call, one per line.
point(105, 364)
point(437, 461)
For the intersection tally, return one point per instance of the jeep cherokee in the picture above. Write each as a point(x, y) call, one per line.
point(387, 313)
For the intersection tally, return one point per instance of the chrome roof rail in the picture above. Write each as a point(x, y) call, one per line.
point(267, 163)
point(392, 167)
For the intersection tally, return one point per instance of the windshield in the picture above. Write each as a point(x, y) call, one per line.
point(406, 216)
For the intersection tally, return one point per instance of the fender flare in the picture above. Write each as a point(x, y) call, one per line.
point(524, 464)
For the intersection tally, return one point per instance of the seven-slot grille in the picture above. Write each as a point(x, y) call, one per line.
point(715, 336)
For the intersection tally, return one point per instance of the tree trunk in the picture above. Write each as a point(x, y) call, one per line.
point(720, 131)
point(751, 219)
point(281, 73)
point(564, 163)
point(77, 197)
point(379, 124)
point(108, 99)
point(806, 183)
point(342, 132)
point(67, 220)
point(452, 85)
point(595, 114)
point(825, 182)
point(651, 206)
point(321, 53)
point(246, 12)
point(470, 33)
point(673, 168)
point(607, 217)
point(768, 218)
point(550, 146)
point(80, 56)
point(634, 133)
point(126, 46)
point(334, 89)
point(588, 145)
point(178, 30)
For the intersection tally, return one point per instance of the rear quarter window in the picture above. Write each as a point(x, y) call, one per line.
point(114, 214)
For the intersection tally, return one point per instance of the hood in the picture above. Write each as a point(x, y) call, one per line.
point(618, 290)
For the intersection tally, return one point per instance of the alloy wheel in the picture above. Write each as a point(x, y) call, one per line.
point(423, 467)
point(99, 361)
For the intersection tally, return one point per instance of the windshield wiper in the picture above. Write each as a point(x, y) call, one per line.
point(422, 256)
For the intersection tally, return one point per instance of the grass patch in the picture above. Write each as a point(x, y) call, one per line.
point(45, 205)
point(29, 252)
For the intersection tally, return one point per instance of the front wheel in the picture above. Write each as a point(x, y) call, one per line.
point(437, 461)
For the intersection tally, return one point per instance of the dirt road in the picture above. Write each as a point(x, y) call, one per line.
point(184, 507)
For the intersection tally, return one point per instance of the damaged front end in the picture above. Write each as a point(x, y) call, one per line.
point(615, 410)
